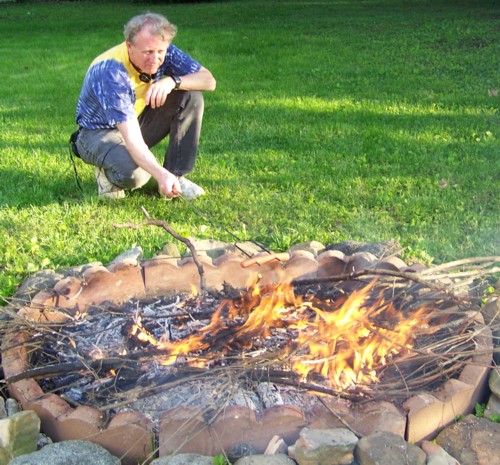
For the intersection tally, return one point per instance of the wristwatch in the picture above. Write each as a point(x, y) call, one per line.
point(177, 81)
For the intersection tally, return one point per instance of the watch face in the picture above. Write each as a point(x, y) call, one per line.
point(177, 81)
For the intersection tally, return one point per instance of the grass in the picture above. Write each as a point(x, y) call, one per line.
point(332, 120)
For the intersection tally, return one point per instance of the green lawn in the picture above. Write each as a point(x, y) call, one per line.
point(332, 120)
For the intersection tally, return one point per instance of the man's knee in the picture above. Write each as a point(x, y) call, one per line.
point(130, 180)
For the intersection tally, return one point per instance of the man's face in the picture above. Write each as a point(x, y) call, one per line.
point(147, 52)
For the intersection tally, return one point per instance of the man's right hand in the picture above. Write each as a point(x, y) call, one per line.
point(168, 185)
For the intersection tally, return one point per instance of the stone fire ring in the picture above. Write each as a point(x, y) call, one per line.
point(130, 435)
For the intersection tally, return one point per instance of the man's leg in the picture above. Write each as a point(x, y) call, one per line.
point(180, 117)
point(105, 149)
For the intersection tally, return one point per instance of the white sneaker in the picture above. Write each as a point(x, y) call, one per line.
point(189, 189)
point(105, 188)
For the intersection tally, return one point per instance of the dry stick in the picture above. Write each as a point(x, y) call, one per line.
point(166, 227)
point(466, 261)
point(380, 272)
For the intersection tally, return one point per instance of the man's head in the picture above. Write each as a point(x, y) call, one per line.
point(147, 37)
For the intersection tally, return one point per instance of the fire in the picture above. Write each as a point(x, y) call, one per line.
point(346, 346)
point(344, 340)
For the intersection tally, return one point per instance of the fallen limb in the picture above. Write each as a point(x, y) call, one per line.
point(152, 222)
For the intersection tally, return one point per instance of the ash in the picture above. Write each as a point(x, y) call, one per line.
point(128, 373)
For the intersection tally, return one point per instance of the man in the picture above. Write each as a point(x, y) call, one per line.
point(132, 97)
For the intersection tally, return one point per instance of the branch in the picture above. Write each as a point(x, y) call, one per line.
point(166, 227)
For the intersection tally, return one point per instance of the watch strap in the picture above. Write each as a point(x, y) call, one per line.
point(177, 81)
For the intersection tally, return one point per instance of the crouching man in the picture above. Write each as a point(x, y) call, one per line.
point(132, 97)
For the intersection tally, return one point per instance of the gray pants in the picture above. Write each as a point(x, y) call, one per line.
point(180, 118)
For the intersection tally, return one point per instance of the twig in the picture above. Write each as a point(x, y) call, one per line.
point(415, 277)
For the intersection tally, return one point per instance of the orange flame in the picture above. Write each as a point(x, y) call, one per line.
point(344, 341)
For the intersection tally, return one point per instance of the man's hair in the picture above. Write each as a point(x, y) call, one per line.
point(157, 24)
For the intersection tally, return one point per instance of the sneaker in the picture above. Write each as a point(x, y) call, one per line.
point(189, 189)
point(105, 188)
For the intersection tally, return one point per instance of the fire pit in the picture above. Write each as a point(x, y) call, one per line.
point(130, 357)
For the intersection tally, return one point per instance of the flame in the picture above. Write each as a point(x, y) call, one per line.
point(344, 341)
point(142, 334)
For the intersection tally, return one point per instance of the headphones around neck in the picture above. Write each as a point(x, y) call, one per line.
point(145, 77)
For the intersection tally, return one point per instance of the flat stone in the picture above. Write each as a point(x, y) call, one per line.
point(31, 286)
point(68, 453)
point(184, 459)
point(19, 433)
point(387, 449)
point(278, 459)
point(324, 447)
point(379, 249)
point(436, 455)
point(472, 441)
point(210, 247)
point(131, 256)
point(313, 247)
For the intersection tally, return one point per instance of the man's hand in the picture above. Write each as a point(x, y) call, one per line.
point(168, 185)
point(158, 92)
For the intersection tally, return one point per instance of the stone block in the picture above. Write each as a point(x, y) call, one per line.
point(19, 433)
point(324, 447)
point(387, 448)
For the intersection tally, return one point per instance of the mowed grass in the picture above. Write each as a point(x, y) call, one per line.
point(332, 120)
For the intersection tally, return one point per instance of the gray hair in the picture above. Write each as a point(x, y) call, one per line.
point(157, 24)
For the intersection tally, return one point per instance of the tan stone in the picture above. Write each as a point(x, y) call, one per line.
point(324, 447)
point(331, 263)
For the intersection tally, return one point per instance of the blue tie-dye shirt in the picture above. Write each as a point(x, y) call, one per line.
point(112, 92)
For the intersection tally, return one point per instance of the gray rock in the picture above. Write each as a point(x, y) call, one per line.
point(131, 255)
point(491, 313)
point(493, 407)
point(387, 449)
point(41, 280)
point(183, 459)
point(278, 459)
point(240, 450)
point(472, 440)
point(12, 406)
point(494, 381)
point(313, 247)
point(68, 453)
point(171, 250)
point(3, 409)
point(209, 247)
point(379, 249)
point(324, 446)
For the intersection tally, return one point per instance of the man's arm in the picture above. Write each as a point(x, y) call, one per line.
point(168, 184)
point(200, 80)
point(159, 90)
